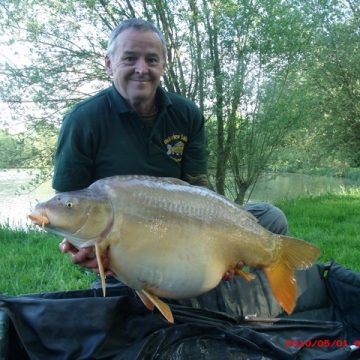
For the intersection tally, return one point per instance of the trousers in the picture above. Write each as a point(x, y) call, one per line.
point(269, 216)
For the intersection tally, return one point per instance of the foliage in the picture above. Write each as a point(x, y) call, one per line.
point(269, 75)
point(329, 76)
point(22, 151)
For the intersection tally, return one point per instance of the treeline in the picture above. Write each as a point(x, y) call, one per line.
point(278, 81)
point(26, 151)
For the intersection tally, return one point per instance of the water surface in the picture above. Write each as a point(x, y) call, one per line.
point(14, 208)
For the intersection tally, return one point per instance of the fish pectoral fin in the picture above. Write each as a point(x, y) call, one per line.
point(99, 249)
point(163, 308)
point(245, 274)
point(147, 302)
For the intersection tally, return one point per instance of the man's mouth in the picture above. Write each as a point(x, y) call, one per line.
point(140, 79)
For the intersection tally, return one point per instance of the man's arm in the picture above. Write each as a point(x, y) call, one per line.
point(198, 180)
point(73, 158)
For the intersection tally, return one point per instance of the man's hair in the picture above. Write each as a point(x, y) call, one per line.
point(138, 25)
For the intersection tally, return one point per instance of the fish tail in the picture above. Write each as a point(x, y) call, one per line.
point(295, 254)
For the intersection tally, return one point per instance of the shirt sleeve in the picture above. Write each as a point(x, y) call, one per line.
point(73, 158)
point(194, 159)
point(198, 180)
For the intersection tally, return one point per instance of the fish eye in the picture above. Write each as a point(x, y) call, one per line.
point(69, 204)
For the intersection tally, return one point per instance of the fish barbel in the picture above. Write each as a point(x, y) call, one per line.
point(166, 238)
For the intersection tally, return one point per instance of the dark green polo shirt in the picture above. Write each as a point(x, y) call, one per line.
point(102, 136)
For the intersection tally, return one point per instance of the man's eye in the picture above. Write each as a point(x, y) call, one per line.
point(153, 60)
point(129, 59)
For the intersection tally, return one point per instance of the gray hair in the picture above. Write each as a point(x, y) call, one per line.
point(138, 25)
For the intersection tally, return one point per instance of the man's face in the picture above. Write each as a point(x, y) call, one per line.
point(136, 65)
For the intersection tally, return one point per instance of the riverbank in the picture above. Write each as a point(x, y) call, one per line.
point(346, 173)
point(16, 199)
point(30, 261)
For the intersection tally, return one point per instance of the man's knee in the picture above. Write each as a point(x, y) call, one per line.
point(269, 216)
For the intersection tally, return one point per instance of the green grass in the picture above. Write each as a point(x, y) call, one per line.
point(30, 261)
point(330, 221)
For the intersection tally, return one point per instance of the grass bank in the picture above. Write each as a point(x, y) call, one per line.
point(30, 261)
point(330, 221)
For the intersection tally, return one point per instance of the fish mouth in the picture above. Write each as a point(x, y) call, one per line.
point(39, 219)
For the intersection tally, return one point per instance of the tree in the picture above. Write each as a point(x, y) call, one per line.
point(335, 81)
point(226, 55)
point(328, 88)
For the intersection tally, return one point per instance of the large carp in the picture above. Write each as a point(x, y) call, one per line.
point(166, 238)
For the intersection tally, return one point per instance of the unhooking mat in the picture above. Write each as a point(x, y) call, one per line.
point(237, 320)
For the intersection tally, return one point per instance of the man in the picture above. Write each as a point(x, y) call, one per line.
point(133, 127)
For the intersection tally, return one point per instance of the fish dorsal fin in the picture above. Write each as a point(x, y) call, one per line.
point(295, 254)
point(163, 308)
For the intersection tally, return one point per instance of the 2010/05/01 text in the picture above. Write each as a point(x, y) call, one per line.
point(320, 343)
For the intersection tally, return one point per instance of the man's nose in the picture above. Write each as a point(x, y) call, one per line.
point(141, 66)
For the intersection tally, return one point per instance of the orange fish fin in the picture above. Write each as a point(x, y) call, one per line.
point(163, 308)
point(98, 251)
point(147, 302)
point(246, 275)
point(283, 285)
point(295, 254)
point(299, 254)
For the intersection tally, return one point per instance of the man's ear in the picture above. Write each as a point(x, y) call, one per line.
point(108, 66)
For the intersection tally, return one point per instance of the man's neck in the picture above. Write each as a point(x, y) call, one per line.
point(147, 108)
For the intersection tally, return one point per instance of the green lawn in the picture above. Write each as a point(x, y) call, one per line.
point(30, 261)
point(330, 221)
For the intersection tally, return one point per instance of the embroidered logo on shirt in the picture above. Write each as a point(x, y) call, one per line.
point(175, 146)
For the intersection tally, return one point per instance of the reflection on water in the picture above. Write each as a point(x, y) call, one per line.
point(14, 208)
point(284, 186)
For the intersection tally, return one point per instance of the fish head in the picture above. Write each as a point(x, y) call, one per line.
point(83, 216)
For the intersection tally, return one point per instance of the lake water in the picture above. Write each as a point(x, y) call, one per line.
point(284, 186)
point(14, 208)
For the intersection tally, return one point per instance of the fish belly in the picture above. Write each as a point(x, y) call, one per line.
point(172, 262)
point(177, 241)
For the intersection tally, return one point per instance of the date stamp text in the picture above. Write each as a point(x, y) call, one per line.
point(320, 343)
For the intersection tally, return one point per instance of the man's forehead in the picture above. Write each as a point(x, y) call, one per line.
point(135, 40)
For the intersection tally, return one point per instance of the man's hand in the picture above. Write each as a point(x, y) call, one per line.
point(229, 275)
point(81, 257)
